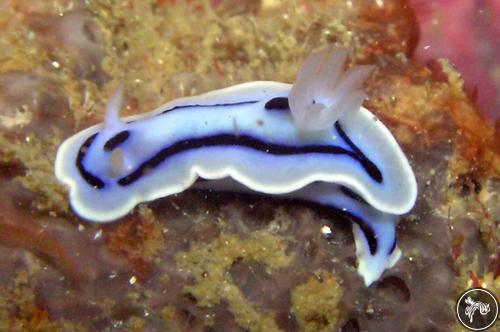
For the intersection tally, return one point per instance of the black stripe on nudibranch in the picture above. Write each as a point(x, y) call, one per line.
point(352, 194)
point(366, 229)
point(116, 140)
point(90, 178)
point(248, 102)
point(240, 103)
point(278, 103)
point(368, 165)
point(241, 141)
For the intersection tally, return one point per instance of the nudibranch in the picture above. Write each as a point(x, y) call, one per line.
point(312, 141)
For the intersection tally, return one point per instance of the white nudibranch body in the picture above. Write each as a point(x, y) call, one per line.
point(312, 141)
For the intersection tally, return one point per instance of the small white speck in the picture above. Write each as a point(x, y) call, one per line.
point(98, 234)
point(325, 230)
point(56, 64)
point(31, 35)
point(117, 323)
point(81, 228)
point(132, 280)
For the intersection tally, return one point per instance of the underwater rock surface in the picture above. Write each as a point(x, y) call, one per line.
point(226, 262)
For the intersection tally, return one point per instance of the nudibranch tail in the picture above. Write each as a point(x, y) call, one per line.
point(374, 231)
point(323, 92)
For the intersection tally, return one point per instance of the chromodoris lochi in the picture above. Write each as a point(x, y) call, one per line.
point(311, 141)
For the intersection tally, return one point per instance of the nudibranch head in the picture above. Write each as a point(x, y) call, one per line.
point(323, 92)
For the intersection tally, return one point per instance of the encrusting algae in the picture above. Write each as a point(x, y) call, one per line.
point(170, 263)
point(19, 312)
point(209, 264)
point(316, 303)
point(36, 168)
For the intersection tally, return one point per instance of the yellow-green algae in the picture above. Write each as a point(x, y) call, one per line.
point(19, 312)
point(316, 303)
point(167, 57)
point(26, 48)
point(209, 264)
point(38, 176)
point(168, 316)
point(134, 324)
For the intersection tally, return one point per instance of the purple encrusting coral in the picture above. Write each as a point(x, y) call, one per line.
point(225, 262)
